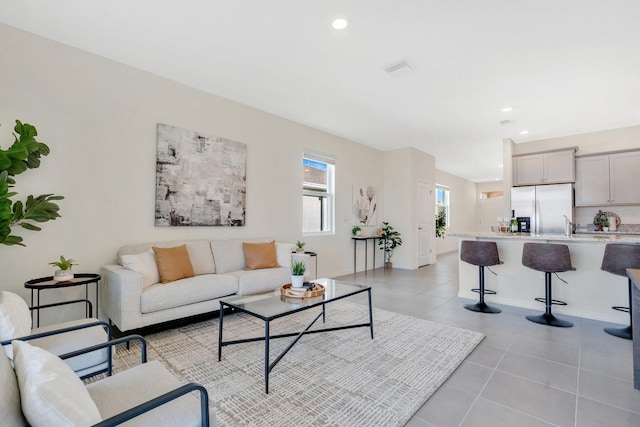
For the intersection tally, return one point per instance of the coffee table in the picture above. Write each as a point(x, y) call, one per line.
point(268, 307)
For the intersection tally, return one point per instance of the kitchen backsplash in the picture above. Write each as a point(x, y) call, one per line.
point(629, 217)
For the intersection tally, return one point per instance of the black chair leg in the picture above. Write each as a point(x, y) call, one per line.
point(626, 332)
point(548, 318)
point(481, 306)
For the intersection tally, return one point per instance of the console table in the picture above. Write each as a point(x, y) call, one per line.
point(366, 255)
point(48, 283)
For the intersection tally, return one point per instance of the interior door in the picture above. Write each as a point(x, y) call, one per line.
point(425, 214)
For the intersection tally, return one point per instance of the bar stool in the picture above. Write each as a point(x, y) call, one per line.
point(617, 258)
point(548, 258)
point(482, 254)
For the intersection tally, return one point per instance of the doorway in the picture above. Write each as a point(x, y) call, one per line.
point(425, 217)
point(490, 208)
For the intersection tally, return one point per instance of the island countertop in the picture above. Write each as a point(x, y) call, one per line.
point(590, 292)
point(588, 238)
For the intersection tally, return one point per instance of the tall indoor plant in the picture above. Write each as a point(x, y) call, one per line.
point(23, 154)
point(389, 240)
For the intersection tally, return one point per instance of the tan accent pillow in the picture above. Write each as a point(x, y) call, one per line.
point(173, 263)
point(260, 255)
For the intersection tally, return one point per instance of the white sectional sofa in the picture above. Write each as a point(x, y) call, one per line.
point(132, 298)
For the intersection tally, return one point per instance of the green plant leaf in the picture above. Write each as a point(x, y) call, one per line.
point(13, 240)
point(29, 226)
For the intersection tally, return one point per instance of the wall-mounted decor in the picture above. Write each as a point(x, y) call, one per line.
point(365, 205)
point(200, 180)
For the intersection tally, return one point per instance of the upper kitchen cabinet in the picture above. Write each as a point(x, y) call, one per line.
point(610, 179)
point(544, 168)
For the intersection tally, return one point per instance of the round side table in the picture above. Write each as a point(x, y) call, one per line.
point(43, 283)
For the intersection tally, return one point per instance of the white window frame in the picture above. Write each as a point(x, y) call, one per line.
point(329, 194)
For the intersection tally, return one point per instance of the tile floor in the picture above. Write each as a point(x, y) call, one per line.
point(522, 374)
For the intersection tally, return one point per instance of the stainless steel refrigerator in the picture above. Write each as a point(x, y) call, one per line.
point(547, 205)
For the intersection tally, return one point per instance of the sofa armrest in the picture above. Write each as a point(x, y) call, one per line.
point(283, 252)
point(105, 325)
point(120, 296)
point(161, 400)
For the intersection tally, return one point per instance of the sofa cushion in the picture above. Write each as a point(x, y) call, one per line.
point(229, 254)
point(199, 253)
point(173, 263)
point(51, 393)
point(145, 264)
point(260, 255)
point(125, 390)
point(187, 291)
point(74, 340)
point(15, 318)
point(256, 281)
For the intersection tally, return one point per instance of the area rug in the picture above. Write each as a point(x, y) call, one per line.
point(338, 378)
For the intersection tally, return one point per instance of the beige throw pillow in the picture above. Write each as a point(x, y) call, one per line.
point(173, 263)
point(260, 255)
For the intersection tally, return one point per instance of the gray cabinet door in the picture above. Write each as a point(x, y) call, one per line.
point(592, 181)
point(624, 184)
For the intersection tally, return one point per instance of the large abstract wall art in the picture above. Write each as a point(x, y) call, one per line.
point(200, 180)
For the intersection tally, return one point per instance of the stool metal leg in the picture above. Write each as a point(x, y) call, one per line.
point(627, 332)
point(481, 306)
point(547, 318)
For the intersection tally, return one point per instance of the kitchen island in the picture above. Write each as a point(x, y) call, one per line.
point(589, 293)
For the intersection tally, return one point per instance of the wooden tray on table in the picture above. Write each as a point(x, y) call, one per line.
point(304, 292)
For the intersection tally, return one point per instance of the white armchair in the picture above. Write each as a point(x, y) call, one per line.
point(42, 390)
point(15, 323)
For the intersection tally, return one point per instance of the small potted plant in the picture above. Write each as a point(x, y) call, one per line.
point(300, 247)
point(356, 231)
point(298, 268)
point(65, 272)
point(389, 240)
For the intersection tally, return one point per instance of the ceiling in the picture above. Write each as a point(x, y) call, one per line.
point(566, 67)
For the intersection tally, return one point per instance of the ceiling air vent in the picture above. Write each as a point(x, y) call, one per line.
point(398, 66)
point(505, 122)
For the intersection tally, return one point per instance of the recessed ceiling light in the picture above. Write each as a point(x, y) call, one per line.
point(507, 109)
point(500, 165)
point(524, 132)
point(340, 23)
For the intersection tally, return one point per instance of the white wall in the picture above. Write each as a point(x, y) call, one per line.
point(99, 118)
point(627, 138)
point(403, 170)
point(463, 209)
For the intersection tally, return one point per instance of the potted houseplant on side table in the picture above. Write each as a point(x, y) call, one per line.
point(298, 268)
point(300, 247)
point(389, 240)
point(65, 272)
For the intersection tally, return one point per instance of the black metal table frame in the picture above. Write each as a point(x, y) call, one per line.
point(366, 254)
point(268, 367)
point(35, 284)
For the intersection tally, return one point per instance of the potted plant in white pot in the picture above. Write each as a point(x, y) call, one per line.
point(65, 272)
point(298, 268)
point(300, 247)
point(389, 240)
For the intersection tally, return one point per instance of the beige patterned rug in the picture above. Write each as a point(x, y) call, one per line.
point(339, 378)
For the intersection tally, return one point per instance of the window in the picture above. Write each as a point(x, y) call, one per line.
point(317, 194)
point(442, 205)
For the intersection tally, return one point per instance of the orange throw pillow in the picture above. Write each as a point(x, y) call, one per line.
point(173, 263)
point(260, 255)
